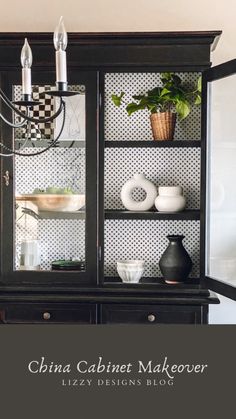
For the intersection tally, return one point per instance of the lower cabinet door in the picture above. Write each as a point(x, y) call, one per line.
point(50, 313)
point(150, 314)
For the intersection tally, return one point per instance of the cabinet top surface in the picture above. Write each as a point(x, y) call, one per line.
point(79, 37)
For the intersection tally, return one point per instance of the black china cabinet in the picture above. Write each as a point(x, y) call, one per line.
point(99, 150)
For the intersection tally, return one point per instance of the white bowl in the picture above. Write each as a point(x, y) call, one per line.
point(125, 264)
point(56, 202)
point(131, 274)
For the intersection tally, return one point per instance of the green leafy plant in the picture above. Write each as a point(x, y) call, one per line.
point(174, 96)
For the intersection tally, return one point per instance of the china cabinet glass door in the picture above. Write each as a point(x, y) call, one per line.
point(52, 234)
point(219, 90)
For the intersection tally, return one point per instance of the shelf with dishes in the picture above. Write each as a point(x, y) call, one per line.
point(54, 204)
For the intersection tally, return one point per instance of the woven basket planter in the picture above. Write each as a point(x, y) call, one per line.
point(163, 125)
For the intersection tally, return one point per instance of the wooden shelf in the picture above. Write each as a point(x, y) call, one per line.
point(44, 143)
point(59, 215)
point(152, 143)
point(191, 286)
point(189, 214)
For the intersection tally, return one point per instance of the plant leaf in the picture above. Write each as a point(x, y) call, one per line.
point(138, 97)
point(165, 91)
point(134, 107)
point(199, 84)
point(198, 100)
point(117, 99)
point(182, 108)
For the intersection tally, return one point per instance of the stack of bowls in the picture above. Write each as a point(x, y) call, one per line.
point(130, 271)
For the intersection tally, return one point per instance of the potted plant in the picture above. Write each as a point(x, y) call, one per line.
point(164, 103)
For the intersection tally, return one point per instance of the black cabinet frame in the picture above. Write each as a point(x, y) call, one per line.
point(90, 56)
point(215, 73)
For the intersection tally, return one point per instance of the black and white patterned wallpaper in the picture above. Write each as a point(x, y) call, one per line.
point(146, 240)
point(163, 166)
point(59, 167)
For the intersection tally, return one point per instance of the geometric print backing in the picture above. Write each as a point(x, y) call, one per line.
point(59, 167)
point(146, 240)
point(163, 166)
point(59, 239)
point(120, 127)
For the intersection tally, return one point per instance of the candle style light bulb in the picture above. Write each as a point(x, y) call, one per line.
point(26, 62)
point(60, 43)
point(26, 55)
point(60, 38)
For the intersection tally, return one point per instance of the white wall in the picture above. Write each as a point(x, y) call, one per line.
point(125, 15)
point(225, 313)
point(131, 15)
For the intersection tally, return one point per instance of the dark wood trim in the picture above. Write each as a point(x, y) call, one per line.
point(171, 50)
point(189, 214)
point(110, 297)
point(101, 174)
point(204, 110)
point(220, 71)
point(216, 73)
point(221, 287)
point(81, 38)
point(204, 314)
point(154, 144)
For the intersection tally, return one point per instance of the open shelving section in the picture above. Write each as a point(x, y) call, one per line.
point(129, 149)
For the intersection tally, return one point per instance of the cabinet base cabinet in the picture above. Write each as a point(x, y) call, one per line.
point(80, 313)
point(157, 314)
point(50, 313)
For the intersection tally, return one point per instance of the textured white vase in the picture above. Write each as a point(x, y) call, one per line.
point(138, 181)
point(170, 199)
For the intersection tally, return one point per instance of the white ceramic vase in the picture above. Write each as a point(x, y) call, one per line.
point(170, 199)
point(138, 181)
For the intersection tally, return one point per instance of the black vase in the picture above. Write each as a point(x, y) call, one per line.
point(175, 263)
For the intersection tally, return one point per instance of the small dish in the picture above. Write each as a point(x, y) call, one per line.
point(130, 271)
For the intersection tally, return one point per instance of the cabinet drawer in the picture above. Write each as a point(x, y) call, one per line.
point(150, 314)
point(52, 313)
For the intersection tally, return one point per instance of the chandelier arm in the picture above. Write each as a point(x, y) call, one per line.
point(11, 124)
point(17, 153)
point(29, 118)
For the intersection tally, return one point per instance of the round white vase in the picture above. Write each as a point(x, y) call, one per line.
point(138, 181)
point(170, 199)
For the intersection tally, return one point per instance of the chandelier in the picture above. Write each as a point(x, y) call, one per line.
point(24, 108)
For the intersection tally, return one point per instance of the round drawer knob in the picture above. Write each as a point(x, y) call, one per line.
point(46, 316)
point(151, 318)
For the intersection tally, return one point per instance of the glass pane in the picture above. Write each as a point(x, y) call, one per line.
point(221, 184)
point(50, 188)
